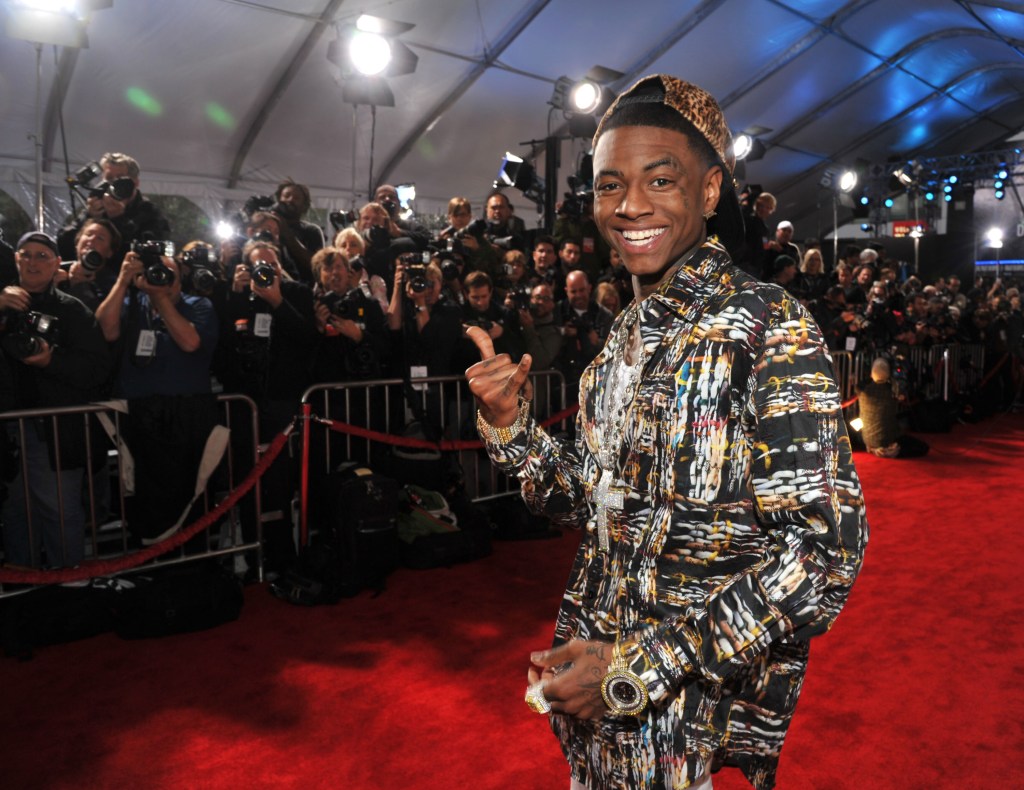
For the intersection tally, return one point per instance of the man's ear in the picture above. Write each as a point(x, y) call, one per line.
point(712, 188)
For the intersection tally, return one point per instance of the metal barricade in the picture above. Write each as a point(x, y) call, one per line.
point(103, 483)
point(433, 408)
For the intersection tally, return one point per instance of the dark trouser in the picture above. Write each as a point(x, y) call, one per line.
point(166, 435)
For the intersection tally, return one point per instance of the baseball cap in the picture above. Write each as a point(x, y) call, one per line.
point(38, 238)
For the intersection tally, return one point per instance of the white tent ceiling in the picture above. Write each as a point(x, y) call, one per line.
point(225, 97)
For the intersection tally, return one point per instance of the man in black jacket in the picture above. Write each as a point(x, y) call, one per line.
point(56, 356)
point(118, 199)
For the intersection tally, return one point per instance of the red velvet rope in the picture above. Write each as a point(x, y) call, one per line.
point(93, 568)
point(424, 444)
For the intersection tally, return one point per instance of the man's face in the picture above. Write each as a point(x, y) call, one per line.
point(542, 301)
point(786, 276)
point(570, 255)
point(37, 264)
point(387, 196)
point(370, 217)
point(479, 298)
point(460, 218)
point(783, 235)
point(335, 275)
point(95, 237)
point(764, 207)
point(651, 193)
point(577, 291)
point(543, 258)
point(269, 225)
point(293, 197)
point(865, 277)
point(844, 276)
point(498, 211)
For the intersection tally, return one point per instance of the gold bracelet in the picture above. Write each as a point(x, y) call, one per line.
point(494, 435)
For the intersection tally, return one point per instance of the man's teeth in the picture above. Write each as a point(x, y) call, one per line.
point(642, 235)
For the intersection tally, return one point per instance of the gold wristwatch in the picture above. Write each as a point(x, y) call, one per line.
point(505, 435)
point(624, 692)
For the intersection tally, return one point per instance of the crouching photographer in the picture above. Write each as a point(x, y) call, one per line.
point(164, 340)
point(55, 356)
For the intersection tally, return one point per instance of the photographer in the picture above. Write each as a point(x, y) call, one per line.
point(92, 274)
point(201, 272)
point(268, 356)
point(293, 201)
point(350, 242)
point(575, 223)
point(117, 198)
point(466, 237)
point(355, 341)
point(55, 356)
point(546, 266)
point(585, 326)
point(384, 239)
point(165, 343)
point(387, 196)
point(500, 324)
point(505, 231)
point(267, 226)
point(428, 328)
point(514, 279)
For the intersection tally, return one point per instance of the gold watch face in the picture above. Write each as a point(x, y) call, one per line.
point(624, 693)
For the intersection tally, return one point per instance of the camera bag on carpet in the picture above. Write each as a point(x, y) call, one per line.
point(178, 599)
point(435, 534)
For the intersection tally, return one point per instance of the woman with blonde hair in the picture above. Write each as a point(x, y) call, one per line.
point(812, 282)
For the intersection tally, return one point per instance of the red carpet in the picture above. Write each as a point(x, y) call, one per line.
point(920, 685)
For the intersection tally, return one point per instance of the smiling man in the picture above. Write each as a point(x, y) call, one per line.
point(721, 516)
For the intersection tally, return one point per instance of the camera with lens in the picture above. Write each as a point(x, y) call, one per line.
point(356, 264)
point(342, 219)
point(256, 203)
point(573, 205)
point(26, 332)
point(92, 261)
point(520, 297)
point(152, 254)
point(263, 274)
point(580, 323)
point(85, 175)
point(119, 189)
point(201, 260)
point(345, 306)
point(450, 269)
point(377, 236)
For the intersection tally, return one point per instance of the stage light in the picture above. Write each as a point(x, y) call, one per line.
point(888, 202)
point(947, 197)
point(1002, 174)
point(865, 200)
point(224, 230)
point(947, 189)
point(586, 95)
point(584, 101)
point(1000, 194)
point(929, 195)
point(865, 226)
point(953, 179)
point(917, 232)
point(847, 181)
point(519, 174)
point(370, 48)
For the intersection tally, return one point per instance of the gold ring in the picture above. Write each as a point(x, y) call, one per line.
point(536, 700)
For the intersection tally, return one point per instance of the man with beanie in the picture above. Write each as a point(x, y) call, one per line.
point(721, 518)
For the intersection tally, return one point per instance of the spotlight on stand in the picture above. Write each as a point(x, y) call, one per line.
point(847, 181)
point(519, 174)
point(371, 48)
point(584, 101)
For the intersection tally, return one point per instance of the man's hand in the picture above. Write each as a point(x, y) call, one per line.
point(113, 207)
point(42, 359)
point(271, 294)
point(572, 675)
point(242, 278)
point(496, 381)
point(78, 274)
point(14, 297)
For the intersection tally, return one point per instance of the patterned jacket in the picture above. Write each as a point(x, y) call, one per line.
point(739, 535)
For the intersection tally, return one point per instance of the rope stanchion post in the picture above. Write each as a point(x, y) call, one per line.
point(307, 411)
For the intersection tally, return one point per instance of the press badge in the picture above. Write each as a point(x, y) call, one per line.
point(851, 344)
point(262, 328)
point(146, 347)
point(418, 372)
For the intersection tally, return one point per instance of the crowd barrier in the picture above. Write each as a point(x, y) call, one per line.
point(105, 487)
point(425, 422)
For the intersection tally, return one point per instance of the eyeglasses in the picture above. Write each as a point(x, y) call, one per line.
point(25, 255)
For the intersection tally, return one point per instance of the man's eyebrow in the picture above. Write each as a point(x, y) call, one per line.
point(669, 161)
point(611, 173)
